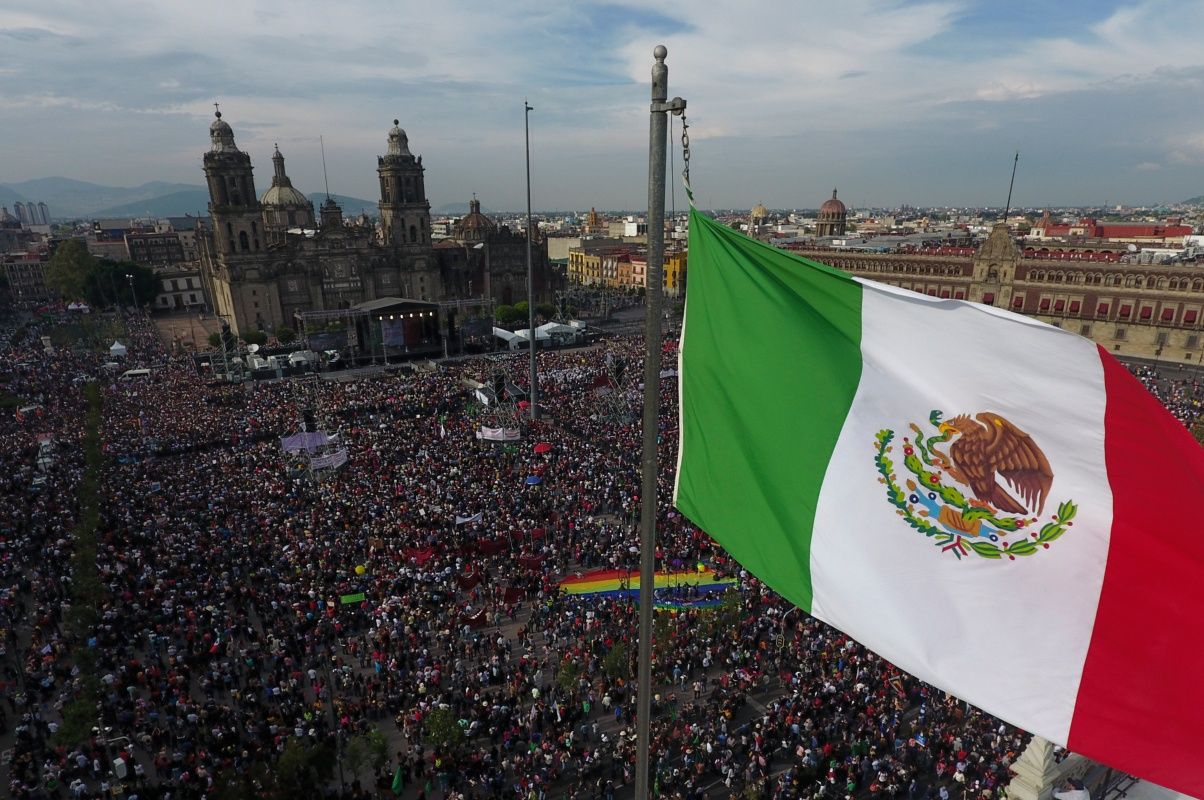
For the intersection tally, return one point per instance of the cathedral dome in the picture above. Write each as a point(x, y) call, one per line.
point(759, 211)
point(284, 196)
point(282, 192)
point(399, 143)
point(832, 207)
point(475, 226)
point(221, 135)
point(219, 125)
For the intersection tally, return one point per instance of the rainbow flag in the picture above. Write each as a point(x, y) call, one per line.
point(624, 583)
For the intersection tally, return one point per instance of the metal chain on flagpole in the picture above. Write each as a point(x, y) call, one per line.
point(685, 157)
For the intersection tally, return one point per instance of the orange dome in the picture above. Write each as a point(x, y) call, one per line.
point(832, 207)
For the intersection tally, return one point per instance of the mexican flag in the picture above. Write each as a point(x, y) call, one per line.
point(991, 503)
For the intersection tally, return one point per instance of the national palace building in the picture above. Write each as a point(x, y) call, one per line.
point(1147, 310)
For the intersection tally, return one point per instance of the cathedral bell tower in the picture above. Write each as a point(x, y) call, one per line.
point(233, 204)
point(405, 217)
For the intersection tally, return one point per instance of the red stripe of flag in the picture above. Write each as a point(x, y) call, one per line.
point(1140, 705)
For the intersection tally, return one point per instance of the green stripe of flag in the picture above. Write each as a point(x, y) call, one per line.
point(352, 598)
point(757, 429)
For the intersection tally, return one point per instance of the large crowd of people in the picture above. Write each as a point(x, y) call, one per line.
point(394, 627)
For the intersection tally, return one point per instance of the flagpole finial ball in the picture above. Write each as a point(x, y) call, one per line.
point(660, 52)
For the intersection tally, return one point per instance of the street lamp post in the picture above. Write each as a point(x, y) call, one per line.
point(133, 298)
point(527, 109)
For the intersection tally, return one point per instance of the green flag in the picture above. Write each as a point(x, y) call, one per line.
point(347, 599)
point(398, 783)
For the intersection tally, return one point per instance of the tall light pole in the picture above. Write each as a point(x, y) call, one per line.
point(133, 298)
point(658, 128)
point(527, 109)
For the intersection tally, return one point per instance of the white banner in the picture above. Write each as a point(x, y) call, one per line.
point(329, 460)
point(499, 434)
point(465, 520)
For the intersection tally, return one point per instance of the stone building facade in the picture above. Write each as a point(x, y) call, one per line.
point(1142, 310)
point(264, 260)
point(484, 259)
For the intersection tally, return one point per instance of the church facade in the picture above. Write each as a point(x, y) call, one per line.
point(264, 259)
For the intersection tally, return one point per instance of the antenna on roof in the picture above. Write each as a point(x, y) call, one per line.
point(322, 144)
point(1008, 208)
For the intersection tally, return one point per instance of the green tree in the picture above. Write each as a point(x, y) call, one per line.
point(509, 315)
point(215, 340)
point(546, 310)
point(566, 678)
point(255, 337)
point(617, 663)
point(109, 283)
point(442, 728)
point(303, 769)
point(68, 270)
point(285, 334)
point(366, 750)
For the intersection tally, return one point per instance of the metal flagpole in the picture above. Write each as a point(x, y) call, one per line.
point(527, 109)
point(658, 128)
point(1008, 208)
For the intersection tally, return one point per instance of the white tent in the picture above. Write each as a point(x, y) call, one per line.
point(117, 350)
point(512, 341)
point(561, 333)
point(540, 335)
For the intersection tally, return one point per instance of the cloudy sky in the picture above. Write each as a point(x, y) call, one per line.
point(894, 102)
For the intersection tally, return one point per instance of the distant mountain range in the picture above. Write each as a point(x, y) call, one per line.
point(69, 198)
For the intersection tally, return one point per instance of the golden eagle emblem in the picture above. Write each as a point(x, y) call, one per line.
point(1007, 475)
point(989, 446)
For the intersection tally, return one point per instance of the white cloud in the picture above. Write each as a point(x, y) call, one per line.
point(765, 81)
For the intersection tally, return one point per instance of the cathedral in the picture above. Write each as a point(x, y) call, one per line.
point(265, 259)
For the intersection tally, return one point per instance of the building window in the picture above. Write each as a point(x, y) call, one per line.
point(1075, 305)
point(1189, 317)
point(1168, 315)
point(1120, 333)
point(988, 299)
point(1147, 312)
point(1059, 305)
point(1162, 338)
point(413, 234)
point(1018, 301)
point(1193, 341)
point(1044, 306)
point(1084, 330)
point(1102, 311)
point(1125, 311)
point(244, 243)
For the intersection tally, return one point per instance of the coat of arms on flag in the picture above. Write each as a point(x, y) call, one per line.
point(992, 521)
